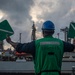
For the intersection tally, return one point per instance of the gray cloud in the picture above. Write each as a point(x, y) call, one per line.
point(17, 9)
point(17, 12)
point(20, 14)
point(56, 12)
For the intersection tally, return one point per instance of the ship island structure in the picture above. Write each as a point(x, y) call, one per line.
point(12, 62)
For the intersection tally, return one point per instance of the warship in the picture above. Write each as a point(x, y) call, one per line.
point(12, 62)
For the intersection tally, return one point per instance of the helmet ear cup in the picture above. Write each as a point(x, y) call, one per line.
point(48, 25)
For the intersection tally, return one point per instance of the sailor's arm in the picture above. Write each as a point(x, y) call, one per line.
point(23, 47)
point(14, 44)
point(26, 47)
point(68, 47)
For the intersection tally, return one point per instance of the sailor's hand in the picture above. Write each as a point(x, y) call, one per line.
point(14, 44)
point(8, 39)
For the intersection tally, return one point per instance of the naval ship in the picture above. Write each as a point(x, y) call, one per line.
point(12, 62)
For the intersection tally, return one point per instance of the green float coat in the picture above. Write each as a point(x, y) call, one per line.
point(49, 53)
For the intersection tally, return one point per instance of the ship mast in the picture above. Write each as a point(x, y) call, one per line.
point(1, 46)
point(33, 36)
point(65, 31)
point(20, 37)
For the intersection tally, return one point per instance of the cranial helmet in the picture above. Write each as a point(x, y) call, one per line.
point(48, 25)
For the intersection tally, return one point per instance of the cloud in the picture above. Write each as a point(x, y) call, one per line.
point(53, 10)
point(17, 12)
point(50, 9)
point(21, 13)
point(43, 8)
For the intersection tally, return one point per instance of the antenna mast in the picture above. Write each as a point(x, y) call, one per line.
point(20, 37)
point(33, 36)
point(65, 30)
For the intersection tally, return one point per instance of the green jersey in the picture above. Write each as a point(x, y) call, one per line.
point(48, 56)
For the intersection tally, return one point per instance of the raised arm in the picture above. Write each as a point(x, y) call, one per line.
point(25, 47)
point(14, 44)
point(68, 47)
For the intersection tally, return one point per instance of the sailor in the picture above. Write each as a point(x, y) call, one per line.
point(47, 52)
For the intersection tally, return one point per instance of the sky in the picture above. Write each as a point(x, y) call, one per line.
point(21, 14)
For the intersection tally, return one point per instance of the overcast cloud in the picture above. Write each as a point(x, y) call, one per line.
point(22, 13)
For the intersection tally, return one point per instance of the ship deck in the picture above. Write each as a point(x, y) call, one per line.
point(27, 67)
